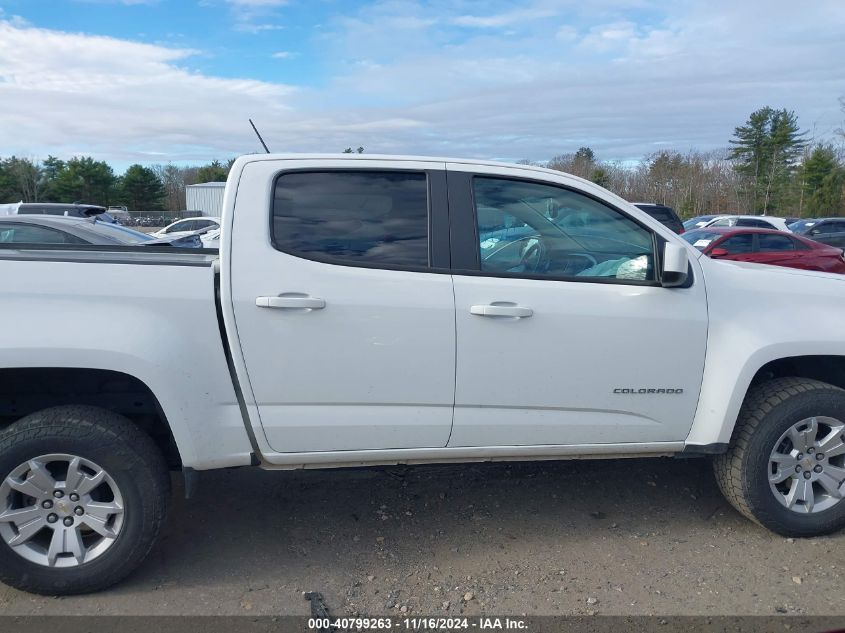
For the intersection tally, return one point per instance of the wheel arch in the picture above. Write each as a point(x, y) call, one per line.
point(714, 423)
point(25, 390)
point(827, 368)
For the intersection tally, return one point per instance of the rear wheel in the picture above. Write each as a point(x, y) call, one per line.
point(83, 496)
point(785, 468)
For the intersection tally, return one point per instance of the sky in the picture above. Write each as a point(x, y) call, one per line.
point(155, 81)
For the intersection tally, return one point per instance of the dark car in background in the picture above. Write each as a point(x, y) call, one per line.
point(766, 246)
point(47, 229)
point(801, 225)
point(830, 231)
point(663, 214)
point(66, 210)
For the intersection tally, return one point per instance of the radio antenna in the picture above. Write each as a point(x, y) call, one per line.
point(259, 136)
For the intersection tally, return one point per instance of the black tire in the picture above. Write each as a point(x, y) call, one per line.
point(135, 464)
point(769, 410)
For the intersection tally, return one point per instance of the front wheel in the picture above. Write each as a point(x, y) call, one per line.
point(83, 496)
point(785, 468)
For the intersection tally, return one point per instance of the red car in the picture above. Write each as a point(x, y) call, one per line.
point(764, 246)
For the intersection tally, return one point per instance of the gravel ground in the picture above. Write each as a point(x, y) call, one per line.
point(544, 538)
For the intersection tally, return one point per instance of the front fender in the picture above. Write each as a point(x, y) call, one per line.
point(759, 314)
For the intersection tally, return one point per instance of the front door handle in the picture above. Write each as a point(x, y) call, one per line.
point(291, 302)
point(502, 309)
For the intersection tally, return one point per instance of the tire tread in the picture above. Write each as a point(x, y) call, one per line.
point(730, 467)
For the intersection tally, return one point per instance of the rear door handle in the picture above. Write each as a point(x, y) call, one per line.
point(502, 309)
point(288, 302)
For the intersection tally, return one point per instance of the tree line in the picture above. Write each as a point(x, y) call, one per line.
point(83, 179)
point(770, 166)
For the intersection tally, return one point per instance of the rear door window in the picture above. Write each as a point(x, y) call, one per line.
point(738, 244)
point(773, 243)
point(371, 218)
point(826, 228)
point(724, 222)
point(187, 225)
point(30, 234)
point(759, 224)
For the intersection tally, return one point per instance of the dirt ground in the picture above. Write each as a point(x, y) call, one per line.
point(543, 538)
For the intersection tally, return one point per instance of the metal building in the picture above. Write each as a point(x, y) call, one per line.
point(206, 197)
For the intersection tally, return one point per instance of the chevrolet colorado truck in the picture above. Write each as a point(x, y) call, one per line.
point(370, 310)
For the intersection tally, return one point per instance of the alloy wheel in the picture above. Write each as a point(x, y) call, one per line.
point(60, 510)
point(807, 465)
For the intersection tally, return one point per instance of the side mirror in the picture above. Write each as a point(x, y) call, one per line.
point(718, 252)
point(813, 232)
point(675, 265)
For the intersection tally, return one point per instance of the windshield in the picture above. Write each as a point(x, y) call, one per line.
point(701, 239)
point(802, 226)
point(118, 233)
point(698, 221)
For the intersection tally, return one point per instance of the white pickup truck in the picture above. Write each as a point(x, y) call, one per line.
point(398, 310)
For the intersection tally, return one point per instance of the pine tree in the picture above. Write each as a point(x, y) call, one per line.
point(50, 169)
point(600, 176)
point(584, 163)
point(823, 177)
point(766, 150)
point(213, 172)
point(83, 179)
point(141, 189)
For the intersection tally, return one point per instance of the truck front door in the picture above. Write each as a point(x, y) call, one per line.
point(565, 335)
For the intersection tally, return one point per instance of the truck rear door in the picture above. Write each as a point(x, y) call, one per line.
point(343, 303)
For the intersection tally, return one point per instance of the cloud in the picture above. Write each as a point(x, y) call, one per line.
point(604, 37)
point(622, 78)
point(503, 19)
point(285, 55)
point(567, 33)
point(64, 91)
point(245, 26)
point(403, 76)
point(250, 16)
point(14, 20)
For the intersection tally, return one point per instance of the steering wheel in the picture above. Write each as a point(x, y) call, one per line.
point(534, 257)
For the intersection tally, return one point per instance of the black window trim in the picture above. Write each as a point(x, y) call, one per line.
point(798, 244)
point(438, 220)
point(463, 212)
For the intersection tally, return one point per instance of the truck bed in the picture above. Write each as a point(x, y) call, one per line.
point(147, 313)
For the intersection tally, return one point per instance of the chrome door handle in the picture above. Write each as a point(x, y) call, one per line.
point(287, 302)
point(502, 309)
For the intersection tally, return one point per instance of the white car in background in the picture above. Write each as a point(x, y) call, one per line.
point(755, 221)
point(188, 225)
point(211, 239)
